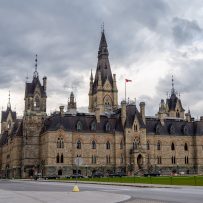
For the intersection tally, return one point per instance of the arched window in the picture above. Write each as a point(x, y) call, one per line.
point(94, 159)
point(177, 114)
point(135, 145)
point(135, 127)
point(93, 126)
point(9, 124)
point(172, 146)
point(108, 146)
point(186, 147)
point(61, 158)
point(107, 104)
point(121, 144)
point(158, 145)
point(57, 158)
point(58, 143)
point(108, 159)
point(79, 126)
point(36, 103)
point(173, 159)
point(148, 145)
point(108, 127)
point(93, 144)
point(78, 144)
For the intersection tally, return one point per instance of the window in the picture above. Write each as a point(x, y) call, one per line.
point(36, 103)
point(78, 144)
point(159, 160)
point(108, 159)
point(108, 127)
point(148, 146)
point(172, 146)
point(121, 144)
point(57, 158)
point(93, 144)
point(158, 145)
point(173, 160)
point(79, 126)
point(121, 159)
point(61, 158)
point(135, 127)
point(60, 143)
point(94, 159)
point(9, 125)
point(108, 146)
point(135, 145)
point(93, 126)
point(186, 160)
point(177, 114)
point(186, 147)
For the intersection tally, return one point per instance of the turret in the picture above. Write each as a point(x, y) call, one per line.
point(142, 111)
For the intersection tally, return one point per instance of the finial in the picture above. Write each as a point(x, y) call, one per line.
point(36, 73)
point(91, 76)
point(9, 100)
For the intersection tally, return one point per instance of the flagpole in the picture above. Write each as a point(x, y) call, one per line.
point(125, 91)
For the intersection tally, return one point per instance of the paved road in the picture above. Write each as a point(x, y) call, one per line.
point(35, 192)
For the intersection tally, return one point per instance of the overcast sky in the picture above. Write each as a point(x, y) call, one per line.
point(148, 41)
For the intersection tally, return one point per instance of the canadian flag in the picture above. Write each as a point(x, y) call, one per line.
point(126, 80)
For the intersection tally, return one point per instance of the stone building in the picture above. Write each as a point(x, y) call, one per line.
point(109, 138)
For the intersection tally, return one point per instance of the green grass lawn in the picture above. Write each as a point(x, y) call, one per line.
point(166, 180)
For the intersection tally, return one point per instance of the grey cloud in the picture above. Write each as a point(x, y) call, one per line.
point(185, 31)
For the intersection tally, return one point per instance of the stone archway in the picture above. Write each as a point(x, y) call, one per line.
point(140, 161)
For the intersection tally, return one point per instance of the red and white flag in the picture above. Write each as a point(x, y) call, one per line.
point(126, 80)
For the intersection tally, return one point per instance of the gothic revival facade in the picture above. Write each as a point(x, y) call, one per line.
point(109, 138)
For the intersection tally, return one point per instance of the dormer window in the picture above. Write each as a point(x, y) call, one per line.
point(9, 125)
point(108, 127)
point(177, 114)
point(135, 127)
point(93, 126)
point(79, 126)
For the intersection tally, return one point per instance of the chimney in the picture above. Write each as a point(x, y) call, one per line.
point(142, 111)
point(123, 112)
point(45, 83)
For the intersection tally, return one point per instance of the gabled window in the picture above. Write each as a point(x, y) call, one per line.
point(108, 146)
point(79, 126)
point(135, 127)
point(93, 126)
point(93, 144)
point(78, 145)
point(172, 146)
point(60, 143)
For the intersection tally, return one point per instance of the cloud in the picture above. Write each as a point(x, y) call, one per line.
point(185, 31)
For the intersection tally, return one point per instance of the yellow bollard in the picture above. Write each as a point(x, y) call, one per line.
point(76, 189)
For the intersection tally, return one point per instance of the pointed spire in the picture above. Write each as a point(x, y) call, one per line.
point(91, 76)
point(9, 100)
point(36, 73)
point(103, 44)
point(173, 89)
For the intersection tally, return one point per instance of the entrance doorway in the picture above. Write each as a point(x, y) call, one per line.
point(140, 161)
point(60, 172)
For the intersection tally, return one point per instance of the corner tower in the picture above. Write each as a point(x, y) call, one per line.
point(103, 92)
